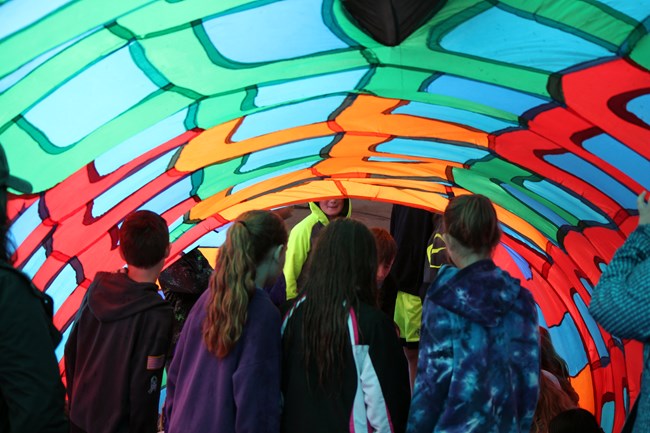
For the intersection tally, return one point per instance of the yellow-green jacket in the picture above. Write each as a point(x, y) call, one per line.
point(301, 239)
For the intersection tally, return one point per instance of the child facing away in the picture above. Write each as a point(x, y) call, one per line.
point(304, 235)
point(225, 374)
point(116, 351)
point(343, 366)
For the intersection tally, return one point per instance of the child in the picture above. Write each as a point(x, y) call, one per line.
point(386, 252)
point(303, 236)
point(115, 354)
point(478, 365)
point(225, 374)
point(343, 367)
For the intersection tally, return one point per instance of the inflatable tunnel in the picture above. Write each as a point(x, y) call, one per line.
point(201, 109)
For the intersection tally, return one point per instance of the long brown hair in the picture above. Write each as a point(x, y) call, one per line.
point(343, 273)
point(249, 239)
point(552, 401)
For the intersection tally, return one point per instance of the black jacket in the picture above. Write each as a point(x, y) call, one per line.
point(115, 355)
point(31, 393)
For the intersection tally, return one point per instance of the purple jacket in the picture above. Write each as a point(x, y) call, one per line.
point(239, 393)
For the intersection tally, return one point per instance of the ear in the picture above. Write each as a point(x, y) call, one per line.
point(167, 251)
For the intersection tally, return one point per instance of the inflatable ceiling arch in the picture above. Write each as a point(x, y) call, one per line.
point(202, 109)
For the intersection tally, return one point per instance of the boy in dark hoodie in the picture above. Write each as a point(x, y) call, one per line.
point(115, 354)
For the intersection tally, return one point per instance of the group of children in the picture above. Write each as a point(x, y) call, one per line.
point(329, 360)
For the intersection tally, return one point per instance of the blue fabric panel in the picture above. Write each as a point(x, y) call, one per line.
point(124, 188)
point(620, 156)
point(565, 200)
point(640, 106)
point(89, 100)
point(454, 115)
point(285, 152)
point(35, 262)
point(26, 223)
point(521, 263)
point(501, 36)
point(512, 233)
point(593, 175)
point(141, 143)
point(18, 14)
point(271, 175)
point(288, 116)
point(308, 87)
point(592, 327)
point(276, 31)
point(637, 9)
point(170, 197)
point(62, 286)
point(568, 344)
point(607, 416)
point(432, 149)
point(498, 97)
point(535, 205)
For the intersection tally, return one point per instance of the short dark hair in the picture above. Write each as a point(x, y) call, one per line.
point(472, 221)
point(144, 238)
point(386, 245)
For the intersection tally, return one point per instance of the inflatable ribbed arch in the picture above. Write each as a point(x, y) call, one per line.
point(202, 109)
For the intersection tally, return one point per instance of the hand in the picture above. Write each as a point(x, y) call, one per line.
point(644, 208)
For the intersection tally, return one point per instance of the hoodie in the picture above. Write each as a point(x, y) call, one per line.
point(478, 368)
point(301, 239)
point(115, 354)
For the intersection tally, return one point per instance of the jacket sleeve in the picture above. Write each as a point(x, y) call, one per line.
point(385, 381)
point(256, 382)
point(147, 365)
point(435, 367)
point(297, 251)
point(30, 384)
point(621, 299)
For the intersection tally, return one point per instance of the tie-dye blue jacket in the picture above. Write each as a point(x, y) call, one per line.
point(478, 369)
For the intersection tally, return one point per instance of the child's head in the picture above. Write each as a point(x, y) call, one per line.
point(471, 223)
point(574, 420)
point(144, 239)
point(386, 252)
point(332, 208)
point(254, 249)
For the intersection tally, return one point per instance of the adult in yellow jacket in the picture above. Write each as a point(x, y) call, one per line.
point(304, 235)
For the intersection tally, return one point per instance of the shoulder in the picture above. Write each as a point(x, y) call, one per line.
point(373, 322)
point(262, 308)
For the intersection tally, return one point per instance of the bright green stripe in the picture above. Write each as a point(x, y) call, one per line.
point(591, 21)
point(197, 180)
point(160, 17)
point(180, 231)
point(140, 59)
point(46, 78)
point(219, 109)
point(60, 27)
point(248, 103)
point(123, 127)
point(641, 52)
point(206, 78)
point(190, 120)
point(38, 136)
point(332, 12)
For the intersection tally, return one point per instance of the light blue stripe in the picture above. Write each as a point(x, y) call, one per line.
point(124, 188)
point(89, 100)
point(62, 286)
point(536, 206)
point(620, 156)
point(285, 152)
point(568, 344)
point(640, 107)
point(60, 349)
point(212, 239)
point(586, 171)
point(588, 287)
point(288, 116)
point(271, 175)
point(607, 416)
point(432, 149)
point(490, 95)
point(174, 225)
point(152, 137)
point(170, 197)
point(521, 263)
point(19, 14)
point(510, 232)
point(637, 9)
point(501, 36)
point(280, 30)
point(565, 200)
point(35, 262)
point(26, 223)
point(388, 159)
point(592, 327)
point(20, 73)
point(454, 115)
point(309, 87)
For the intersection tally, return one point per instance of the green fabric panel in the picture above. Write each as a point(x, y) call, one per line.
point(219, 109)
point(590, 20)
point(641, 52)
point(170, 55)
point(44, 79)
point(162, 17)
point(28, 160)
point(180, 231)
point(480, 179)
point(60, 27)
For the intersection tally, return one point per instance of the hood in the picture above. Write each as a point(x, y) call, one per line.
point(114, 296)
point(480, 292)
point(322, 218)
